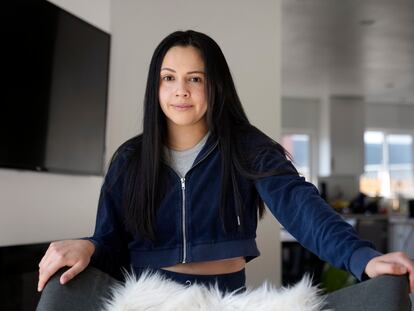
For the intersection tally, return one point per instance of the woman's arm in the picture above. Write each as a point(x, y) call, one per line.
point(300, 209)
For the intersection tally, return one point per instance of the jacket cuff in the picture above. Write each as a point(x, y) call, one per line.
point(98, 250)
point(359, 261)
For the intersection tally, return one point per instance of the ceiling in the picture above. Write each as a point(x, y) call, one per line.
point(348, 48)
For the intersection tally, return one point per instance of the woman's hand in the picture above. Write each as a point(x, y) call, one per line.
point(397, 263)
point(68, 253)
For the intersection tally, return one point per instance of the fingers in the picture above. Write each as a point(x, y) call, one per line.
point(411, 279)
point(70, 253)
point(51, 262)
point(42, 264)
point(383, 267)
point(404, 260)
point(396, 263)
point(46, 272)
point(396, 269)
point(44, 259)
point(72, 272)
point(46, 256)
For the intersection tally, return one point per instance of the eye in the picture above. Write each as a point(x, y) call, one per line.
point(167, 78)
point(195, 79)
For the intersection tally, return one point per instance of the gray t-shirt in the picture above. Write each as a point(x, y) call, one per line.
point(181, 161)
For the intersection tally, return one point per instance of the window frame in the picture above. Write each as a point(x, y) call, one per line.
point(313, 149)
point(385, 166)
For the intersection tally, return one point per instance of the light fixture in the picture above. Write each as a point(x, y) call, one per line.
point(367, 22)
point(390, 85)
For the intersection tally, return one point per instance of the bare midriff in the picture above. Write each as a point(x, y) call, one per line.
point(222, 266)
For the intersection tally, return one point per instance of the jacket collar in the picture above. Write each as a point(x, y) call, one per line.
point(209, 146)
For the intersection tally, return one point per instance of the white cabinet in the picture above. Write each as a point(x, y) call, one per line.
point(401, 235)
point(347, 126)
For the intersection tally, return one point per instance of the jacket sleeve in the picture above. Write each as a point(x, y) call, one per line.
point(300, 209)
point(110, 237)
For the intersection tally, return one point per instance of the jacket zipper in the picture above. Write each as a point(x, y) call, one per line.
point(182, 180)
point(183, 221)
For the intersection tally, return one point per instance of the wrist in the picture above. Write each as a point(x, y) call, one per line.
point(90, 247)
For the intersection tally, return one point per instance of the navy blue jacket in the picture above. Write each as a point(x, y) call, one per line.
point(188, 222)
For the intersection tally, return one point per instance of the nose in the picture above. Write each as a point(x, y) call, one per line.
point(181, 91)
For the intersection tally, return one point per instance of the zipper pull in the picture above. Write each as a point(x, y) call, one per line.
point(238, 220)
point(183, 183)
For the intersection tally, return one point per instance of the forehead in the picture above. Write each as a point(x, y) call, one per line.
point(183, 57)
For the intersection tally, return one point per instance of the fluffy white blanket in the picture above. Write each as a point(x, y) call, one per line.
point(153, 292)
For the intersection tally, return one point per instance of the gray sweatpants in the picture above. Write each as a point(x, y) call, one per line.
point(88, 290)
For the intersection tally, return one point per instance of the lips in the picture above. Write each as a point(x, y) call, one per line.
point(182, 107)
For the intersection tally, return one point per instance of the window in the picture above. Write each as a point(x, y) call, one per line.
point(298, 145)
point(388, 164)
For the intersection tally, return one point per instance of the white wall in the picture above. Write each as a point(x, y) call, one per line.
point(248, 34)
point(38, 207)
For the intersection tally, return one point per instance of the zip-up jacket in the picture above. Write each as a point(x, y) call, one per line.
point(188, 223)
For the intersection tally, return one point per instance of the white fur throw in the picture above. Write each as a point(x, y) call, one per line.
point(153, 292)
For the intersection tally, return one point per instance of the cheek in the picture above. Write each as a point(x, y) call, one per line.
point(201, 96)
point(205, 104)
point(163, 95)
point(202, 107)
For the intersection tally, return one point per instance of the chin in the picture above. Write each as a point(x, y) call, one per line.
point(182, 121)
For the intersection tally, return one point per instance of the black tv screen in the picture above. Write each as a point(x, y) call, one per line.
point(53, 89)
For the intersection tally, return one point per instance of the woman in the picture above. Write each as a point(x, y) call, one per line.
point(184, 197)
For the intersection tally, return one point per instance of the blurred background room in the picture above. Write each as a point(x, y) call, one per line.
point(347, 118)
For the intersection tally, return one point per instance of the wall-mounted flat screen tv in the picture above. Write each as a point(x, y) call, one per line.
point(53, 89)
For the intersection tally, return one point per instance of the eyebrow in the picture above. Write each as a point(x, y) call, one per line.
point(190, 72)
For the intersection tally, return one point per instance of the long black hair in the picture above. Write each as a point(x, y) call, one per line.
point(226, 119)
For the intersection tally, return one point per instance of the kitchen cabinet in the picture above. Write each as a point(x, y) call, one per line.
point(347, 126)
point(401, 235)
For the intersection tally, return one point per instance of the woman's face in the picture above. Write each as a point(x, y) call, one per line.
point(182, 92)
